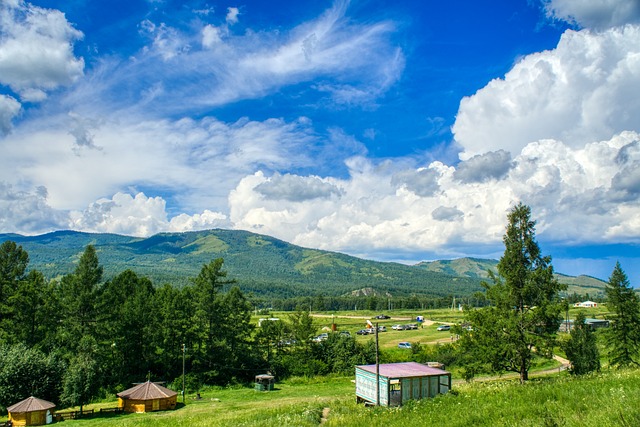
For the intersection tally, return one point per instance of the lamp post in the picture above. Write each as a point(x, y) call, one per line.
point(183, 352)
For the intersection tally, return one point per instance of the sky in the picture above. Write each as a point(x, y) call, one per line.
point(390, 130)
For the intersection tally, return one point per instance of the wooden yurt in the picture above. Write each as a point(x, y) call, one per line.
point(147, 397)
point(31, 412)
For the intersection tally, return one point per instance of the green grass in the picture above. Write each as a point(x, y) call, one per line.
point(602, 400)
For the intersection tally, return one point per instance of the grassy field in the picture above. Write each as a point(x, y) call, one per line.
point(608, 399)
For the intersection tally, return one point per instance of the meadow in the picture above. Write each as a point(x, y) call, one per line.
point(611, 398)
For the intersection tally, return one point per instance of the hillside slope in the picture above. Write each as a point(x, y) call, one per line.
point(478, 269)
point(261, 264)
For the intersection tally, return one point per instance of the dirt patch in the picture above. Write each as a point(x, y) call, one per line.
point(325, 415)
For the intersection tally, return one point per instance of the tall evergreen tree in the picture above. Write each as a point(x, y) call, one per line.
point(128, 325)
point(13, 265)
point(624, 331)
point(525, 310)
point(78, 293)
point(210, 316)
point(582, 349)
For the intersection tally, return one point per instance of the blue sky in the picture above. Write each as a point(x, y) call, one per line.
point(390, 130)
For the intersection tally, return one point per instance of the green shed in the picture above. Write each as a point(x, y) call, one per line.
point(399, 382)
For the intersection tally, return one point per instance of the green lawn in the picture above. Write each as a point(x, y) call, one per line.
point(603, 400)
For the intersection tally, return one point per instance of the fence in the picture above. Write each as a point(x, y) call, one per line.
point(73, 415)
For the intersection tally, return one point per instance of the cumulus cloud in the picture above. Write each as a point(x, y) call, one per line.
point(594, 13)
point(9, 108)
point(296, 189)
point(138, 215)
point(586, 89)
point(210, 36)
point(423, 182)
point(379, 212)
point(199, 160)
point(483, 167)
point(28, 211)
point(443, 213)
point(37, 49)
point(232, 15)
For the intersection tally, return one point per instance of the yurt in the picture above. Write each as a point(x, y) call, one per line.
point(31, 412)
point(147, 397)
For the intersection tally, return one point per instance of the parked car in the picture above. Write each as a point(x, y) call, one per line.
point(382, 329)
point(404, 344)
point(364, 332)
point(443, 328)
point(383, 316)
point(411, 326)
point(398, 327)
point(321, 337)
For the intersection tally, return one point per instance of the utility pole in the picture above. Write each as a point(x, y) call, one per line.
point(184, 349)
point(377, 370)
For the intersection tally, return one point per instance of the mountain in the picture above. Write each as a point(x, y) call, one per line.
point(261, 264)
point(478, 269)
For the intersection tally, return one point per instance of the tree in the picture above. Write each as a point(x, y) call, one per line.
point(28, 372)
point(30, 322)
point(81, 380)
point(78, 293)
point(581, 348)
point(624, 331)
point(128, 325)
point(525, 310)
point(210, 316)
point(13, 264)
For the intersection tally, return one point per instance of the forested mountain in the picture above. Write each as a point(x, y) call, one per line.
point(478, 269)
point(261, 264)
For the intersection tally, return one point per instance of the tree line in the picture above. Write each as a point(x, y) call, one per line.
point(70, 339)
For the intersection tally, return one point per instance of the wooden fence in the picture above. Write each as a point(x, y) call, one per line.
point(73, 415)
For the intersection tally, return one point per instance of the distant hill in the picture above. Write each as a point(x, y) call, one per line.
point(261, 264)
point(478, 269)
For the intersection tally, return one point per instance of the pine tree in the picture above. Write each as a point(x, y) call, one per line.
point(624, 331)
point(581, 349)
point(525, 310)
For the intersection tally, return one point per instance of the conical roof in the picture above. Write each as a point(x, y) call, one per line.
point(30, 404)
point(147, 391)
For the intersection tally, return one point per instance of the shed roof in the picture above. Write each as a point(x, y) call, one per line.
point(147, 391)
point(403, 370)
point(30, 404)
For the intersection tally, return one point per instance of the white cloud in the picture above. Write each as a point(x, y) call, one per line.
point(232, 15)
point(586, 89)
point(594, 13)
point(357, 63)
point(139, 215)
point(9, 108)
point(36, 49)
point(210, 36)
point(27, 211)
point(200, 161)
point(577, 194)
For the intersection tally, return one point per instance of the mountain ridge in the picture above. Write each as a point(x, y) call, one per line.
point(261, 264)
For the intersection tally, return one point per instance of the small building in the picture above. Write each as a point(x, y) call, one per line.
point(147, 397)
point(567, 326)
point(586, 304)
point(265, 382)
point(31, 412)
point(399, 382)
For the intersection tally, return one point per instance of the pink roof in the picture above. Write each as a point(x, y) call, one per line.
point(147, 391)
point(30, 404)
point(403, 370)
